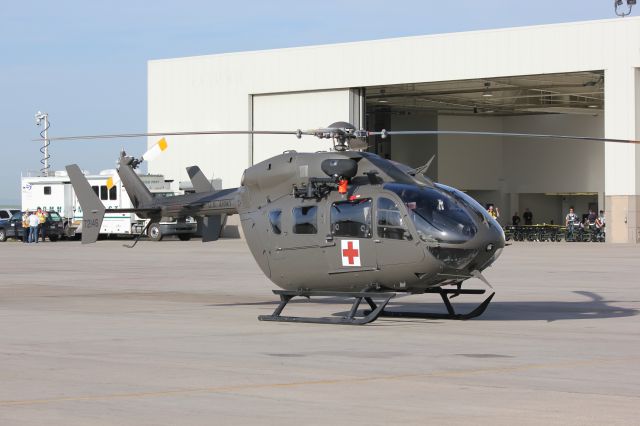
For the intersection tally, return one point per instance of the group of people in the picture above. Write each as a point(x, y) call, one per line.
point(527, 216)
point(33, 224)
point(494, 212)
point(572, 220)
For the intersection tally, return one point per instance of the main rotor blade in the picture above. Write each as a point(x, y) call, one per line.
point(330, 132)
point(385, 133)
point(204, 132)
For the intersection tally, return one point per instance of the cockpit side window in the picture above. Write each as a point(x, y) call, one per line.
point(275, 219)
point(389, 221)
point(351, 218)
point(305, 220)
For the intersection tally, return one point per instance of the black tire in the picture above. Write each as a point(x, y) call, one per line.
point(53, 238)
point(184, 237)
point(154, 233)
point(3, 235)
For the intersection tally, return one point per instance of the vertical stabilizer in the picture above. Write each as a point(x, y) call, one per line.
point(92, 208)
point(199, 180)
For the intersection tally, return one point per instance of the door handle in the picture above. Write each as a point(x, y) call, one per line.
point(377, 241)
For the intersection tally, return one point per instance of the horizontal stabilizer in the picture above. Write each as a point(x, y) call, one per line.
point(92, 208)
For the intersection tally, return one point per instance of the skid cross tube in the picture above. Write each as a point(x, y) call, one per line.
point(350, 318)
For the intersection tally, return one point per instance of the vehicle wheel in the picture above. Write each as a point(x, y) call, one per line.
point(53, 238)
point(3, 235)
point(68, 232)
point(154, 232)
point(184, 237)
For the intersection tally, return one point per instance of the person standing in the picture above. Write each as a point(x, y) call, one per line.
point(600, 224)
point(572, 218)
point(515, 219)
point(572, 222)
point(42, 218)
point(528, 217)
point(493, 211)
point(25, 227)
point(34, 221)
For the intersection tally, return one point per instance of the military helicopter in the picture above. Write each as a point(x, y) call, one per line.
point(342, 223)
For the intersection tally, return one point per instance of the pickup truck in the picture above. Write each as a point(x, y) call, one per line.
point(12, 227)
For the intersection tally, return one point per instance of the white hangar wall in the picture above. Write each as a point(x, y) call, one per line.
point(513, 173)
point(218, 92)
point(521, 165)
point(307, 109)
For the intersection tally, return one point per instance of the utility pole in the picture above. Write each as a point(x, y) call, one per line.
point(40, 117)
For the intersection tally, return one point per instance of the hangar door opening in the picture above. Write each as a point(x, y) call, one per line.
point(545, 176)
point(299, 110)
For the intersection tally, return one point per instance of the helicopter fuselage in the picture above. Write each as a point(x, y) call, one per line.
point(382, 228)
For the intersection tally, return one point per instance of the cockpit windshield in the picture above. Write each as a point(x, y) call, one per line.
point(438, 216)
point(473, 205)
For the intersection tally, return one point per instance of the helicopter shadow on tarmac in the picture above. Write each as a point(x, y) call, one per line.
point(595, 307)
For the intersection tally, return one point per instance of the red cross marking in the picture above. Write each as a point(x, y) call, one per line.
point(350, 252)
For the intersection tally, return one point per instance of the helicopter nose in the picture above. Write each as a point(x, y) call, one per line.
point(493, 245)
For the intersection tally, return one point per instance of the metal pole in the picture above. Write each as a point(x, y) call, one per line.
point(40, 116)
point(46, 144)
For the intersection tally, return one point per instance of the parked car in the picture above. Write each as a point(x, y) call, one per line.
point(183, 229)
point(7, 213)
point(12, 227)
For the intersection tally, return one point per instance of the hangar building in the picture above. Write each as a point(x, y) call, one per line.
point(578, 78)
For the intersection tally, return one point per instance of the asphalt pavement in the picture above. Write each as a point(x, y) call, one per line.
point(167, 334)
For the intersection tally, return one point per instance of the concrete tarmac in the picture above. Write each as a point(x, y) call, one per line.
point(166, 334)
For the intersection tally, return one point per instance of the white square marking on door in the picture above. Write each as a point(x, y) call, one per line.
point(350, 251)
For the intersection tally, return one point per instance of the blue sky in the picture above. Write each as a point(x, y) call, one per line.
point(84, 62)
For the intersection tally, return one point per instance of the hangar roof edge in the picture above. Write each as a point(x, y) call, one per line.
point(405, 38)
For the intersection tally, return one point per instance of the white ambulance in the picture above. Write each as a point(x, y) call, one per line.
point(55, 192)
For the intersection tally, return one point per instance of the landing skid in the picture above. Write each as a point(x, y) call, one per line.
point(377, 309)
point(451, 313)
point(350, 318)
